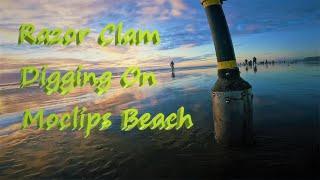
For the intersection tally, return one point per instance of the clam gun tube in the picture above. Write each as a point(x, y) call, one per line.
point(231, 95)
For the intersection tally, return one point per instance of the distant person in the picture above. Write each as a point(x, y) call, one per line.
point(246, 61)
point(250, 63)
point(266, 62)
point(254, 60)
point(172, 66)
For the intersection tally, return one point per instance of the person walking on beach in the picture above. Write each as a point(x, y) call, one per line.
point(172, 66)
point(254, 60)
point(173, 75)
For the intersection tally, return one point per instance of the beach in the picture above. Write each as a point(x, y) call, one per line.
point(285, 125)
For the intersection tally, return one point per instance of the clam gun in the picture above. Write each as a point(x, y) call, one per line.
point(231, 95)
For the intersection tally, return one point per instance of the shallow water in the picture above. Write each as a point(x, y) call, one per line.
point(286, 127)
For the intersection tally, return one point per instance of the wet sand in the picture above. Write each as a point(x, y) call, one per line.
point(286, 119)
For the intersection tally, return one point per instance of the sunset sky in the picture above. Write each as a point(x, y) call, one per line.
point(273, 29)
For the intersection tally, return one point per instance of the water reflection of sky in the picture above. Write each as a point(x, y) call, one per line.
point(286, 109)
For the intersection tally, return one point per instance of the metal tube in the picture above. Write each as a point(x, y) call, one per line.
point(231, 95)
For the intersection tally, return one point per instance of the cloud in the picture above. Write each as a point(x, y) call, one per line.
point(182, 25)
point(152, 10)
point(49, 13)
point(190, 28)
point(177, 7)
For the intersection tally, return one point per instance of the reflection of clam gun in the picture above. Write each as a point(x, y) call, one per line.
point(231, 95)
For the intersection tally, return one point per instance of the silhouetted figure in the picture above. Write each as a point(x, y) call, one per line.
point(246, 61)
point(250, 63)
point(172, 66)
point(172, 69)
point(254, 60)
point(266, 62)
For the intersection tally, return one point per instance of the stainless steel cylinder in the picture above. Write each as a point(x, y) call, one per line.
point(233, 117)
